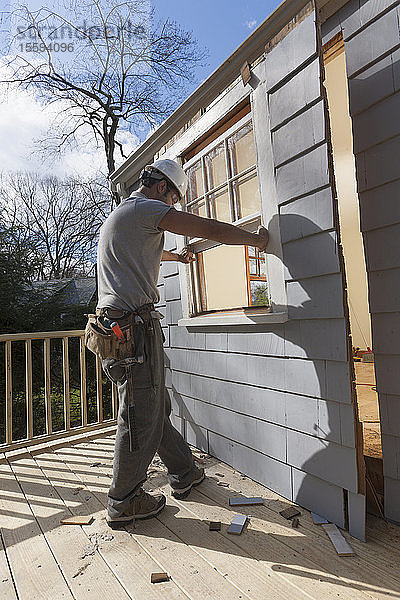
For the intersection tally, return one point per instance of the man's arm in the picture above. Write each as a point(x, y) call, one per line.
point(185, 223)
point(166, 255)
point(184, 256)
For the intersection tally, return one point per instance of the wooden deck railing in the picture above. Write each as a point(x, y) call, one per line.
point(64, 336)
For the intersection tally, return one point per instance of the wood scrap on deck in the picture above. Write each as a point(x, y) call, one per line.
point(237, 524)
point(318, 520)
point(341, 546)
point(159, 577)
point(77, 520)
point(290, 512)
point(241, 501)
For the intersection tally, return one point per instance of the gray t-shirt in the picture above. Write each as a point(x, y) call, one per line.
point(129, 253)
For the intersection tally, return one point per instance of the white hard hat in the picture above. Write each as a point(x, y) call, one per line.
point(173, 172)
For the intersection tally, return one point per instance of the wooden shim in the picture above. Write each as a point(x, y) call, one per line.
point(318, 520)
point(77, 520)
point(245, 501)
point(159, 577)
point(290, 512)
point(237, 524)
point(339, 542)
point(245, 73)
point(215, 526)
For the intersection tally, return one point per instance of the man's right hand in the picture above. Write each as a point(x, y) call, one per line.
point(193, 226)
point(262, 232)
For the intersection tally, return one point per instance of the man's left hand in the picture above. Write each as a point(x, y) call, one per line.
point(186, 256)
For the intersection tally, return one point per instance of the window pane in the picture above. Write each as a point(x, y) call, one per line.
point(253, 266)
point(242, 149)
point(247, 193)
point(196, 187)
point(216, 167)
point(259, 293)
point(252, 250)
point(225, 277)
point(198, 208)
point(263, 268)
point(221, 204)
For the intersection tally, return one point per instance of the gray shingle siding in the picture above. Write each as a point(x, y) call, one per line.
point(372, 40)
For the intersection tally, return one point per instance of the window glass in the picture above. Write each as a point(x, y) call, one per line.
point(247, 194)
point(242, 150)
point(196, 187)
point(216, 167)
point(253, 264)
point(221, 204)
point(259, 293)
point(198, 208)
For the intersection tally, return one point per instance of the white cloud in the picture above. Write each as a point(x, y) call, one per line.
point(251, 24)
point(24, 119)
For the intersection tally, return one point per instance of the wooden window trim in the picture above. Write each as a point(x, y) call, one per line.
point(333, 47)
point(235, 115)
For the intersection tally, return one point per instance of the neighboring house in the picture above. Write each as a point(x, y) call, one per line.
point(260, 363)
point(77, 292)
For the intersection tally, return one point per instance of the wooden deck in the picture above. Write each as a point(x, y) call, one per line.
point(41, 559)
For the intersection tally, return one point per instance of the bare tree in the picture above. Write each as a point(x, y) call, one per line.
point(127, 68)
point(60, 219)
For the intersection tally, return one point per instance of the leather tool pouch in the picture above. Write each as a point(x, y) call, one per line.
point(103, 342)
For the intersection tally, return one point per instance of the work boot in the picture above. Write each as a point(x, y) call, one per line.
point(142, 506)
point(180, 493)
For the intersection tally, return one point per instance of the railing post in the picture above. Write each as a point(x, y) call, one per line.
point(99, 386)
point(8, 394)
point(67, 411)
point(29, 392)
point(8, 443)
point(82, 357)
point(47, 394)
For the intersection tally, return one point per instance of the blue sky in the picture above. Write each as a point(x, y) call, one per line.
point(219, 25)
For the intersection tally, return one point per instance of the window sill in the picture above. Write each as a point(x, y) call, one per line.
point(233, 319)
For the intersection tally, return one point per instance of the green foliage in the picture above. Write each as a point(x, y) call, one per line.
point(56, 389)
point(259, 295)
point(16, 269)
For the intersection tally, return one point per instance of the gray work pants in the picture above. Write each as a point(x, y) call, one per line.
point(143, 425)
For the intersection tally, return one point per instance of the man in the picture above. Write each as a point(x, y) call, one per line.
point(129, 253)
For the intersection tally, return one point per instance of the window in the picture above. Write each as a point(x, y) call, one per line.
point(223, 181)
point(223, 185)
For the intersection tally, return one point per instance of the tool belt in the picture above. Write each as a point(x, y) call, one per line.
point(112, 333)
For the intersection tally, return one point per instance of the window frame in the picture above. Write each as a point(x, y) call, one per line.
point(269, 211)
point(249, 222)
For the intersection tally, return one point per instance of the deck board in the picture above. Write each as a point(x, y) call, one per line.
point(269, 560)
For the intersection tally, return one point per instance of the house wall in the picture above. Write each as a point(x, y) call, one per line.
point(372, 46)
point(274, 401)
